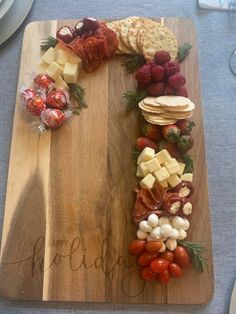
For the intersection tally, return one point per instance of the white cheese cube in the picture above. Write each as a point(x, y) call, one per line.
point(49, 56)
point(172, 166)
point(141, 235)
point(70, 72)
point(153, 165)
point(174, 180)
point(164, 184)
point(187, 177)
point(54, 70)
point(73, 58)
point(142, 170)
point(61, 56)
point(163, 220)
point(162, 174)
point(171, 244)
point(60, 83)
point(147, 154)
point(182, 234)
point(163, 156)
point(148, 182)
point(41, 68)
point(181, 170)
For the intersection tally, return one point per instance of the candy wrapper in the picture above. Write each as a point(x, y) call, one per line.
point(47, 106)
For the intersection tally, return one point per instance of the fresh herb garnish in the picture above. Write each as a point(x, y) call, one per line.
point(196, 252)
point(48, 42)
point(133, 98)
point(133, 62)
point(183, 51)
point(134, 153)
point(77, 94)
point(188, 160)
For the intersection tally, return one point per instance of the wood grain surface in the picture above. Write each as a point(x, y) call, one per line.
point(69, 195)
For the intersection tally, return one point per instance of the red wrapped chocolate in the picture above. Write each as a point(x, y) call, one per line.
point(43, 81)
point(56, 99)
point(27, 94)
point(35, 105)
point(53, 118)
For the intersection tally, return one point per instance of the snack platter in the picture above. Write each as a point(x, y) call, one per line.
point(107, 177)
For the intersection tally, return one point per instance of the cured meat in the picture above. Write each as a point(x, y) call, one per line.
point(141, 211)
point(111, 40)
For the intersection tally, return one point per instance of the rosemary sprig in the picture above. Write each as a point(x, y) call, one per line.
point(77, 94)
point(133, 62)
point(196, 252)
point(133, 98)
point(134, 153)
point(183, 51)
point(189, 166)
point(48, 42)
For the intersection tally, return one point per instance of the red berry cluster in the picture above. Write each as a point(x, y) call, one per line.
point(161, 76)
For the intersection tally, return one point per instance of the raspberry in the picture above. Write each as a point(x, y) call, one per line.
point(155, 89)
point(157, 73)
point(169, 90)
point(176, 80)
point(143, 75)
point(150, 63)
point(182, 91)
point(161, 57)
point(171, 67)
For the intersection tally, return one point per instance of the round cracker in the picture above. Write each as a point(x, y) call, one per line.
point(176, 116)
point(115, 26)
point(190, 107)
point(125, 25)
point(151, 101)
point(150, 109)
point(157, 118)
point(134, 30)
point(173, 101)
point(158, 122)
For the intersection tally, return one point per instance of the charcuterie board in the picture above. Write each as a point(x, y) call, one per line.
point(69, 198)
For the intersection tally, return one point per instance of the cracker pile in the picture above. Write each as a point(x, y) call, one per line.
point(139, 35)
point(166, 110)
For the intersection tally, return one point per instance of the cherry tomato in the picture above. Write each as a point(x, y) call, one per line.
point(147, 274)
point(164, 277)
point(159, 265)
point(168, 255)
point(136, 247)
point(181, 257)
point(146, 258)
point(175, 270)
point(153, 246)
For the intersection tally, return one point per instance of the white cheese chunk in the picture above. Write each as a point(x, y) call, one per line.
point(142, 170)
point(147, 154)
point(148, 182)
point(60, 83)
point(186, 224)
point(172, 166)
point(164, 184)
point(153, 220)
point(187, 208)
point(41, 68)
point(54, 70)
point(70, 72)
point(156, 233)
point(163, 156)
point(162, 174)
point(163, 220)
point(171, 244)
point(182, 234)
point(144, 226)
point(177, 222)
point(181, 168)
point(174, 180)
point(153, 165)
point(61, 56)
point(163, 248)
point(174, 234)
point(175, 207)
point(49, 56)
point(166, 230)
point(184, 192)
point(141, 235)
point(187, 177)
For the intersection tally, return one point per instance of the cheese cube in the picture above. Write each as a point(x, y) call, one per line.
point(187, 177)
point(174, 180)
point(60, 83)
point(61, 57)
point(148, 182)
point(142, 170)
point(172, 166)
point(181, 166)
point(41, 68)
point(147, 154)
point(153, 165)
point(163, 156)
point(54, 70)
point(164, 184)
point(73, 58)
point(70, 72)
point(49, 56)
point(162, 174)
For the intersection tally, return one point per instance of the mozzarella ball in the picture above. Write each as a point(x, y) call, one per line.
point(153, 220)
point(156, 233)
point(164, 220)
point(171, 244)
point(141, 235)
point(186, 224)
point(163, 248)
point(182, 234)
point(174, 234)
point(144, 226)
point(166, 230)
point(149, 238)
point(177, 222)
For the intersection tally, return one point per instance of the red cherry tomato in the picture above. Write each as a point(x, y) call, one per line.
point(146, 258)
point(147, 274)
point(136, 247)
point(159, 265)
point(168, 255)
point(181, 257)
point(175, 270)
point(153, 246)
point(164, 277)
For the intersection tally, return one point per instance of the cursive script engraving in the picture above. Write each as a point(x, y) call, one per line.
point(76, 258)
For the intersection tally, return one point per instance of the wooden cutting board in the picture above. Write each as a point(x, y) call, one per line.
point(69, 194)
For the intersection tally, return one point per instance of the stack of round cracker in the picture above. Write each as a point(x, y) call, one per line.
point(139, 35)
point(166, 110)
